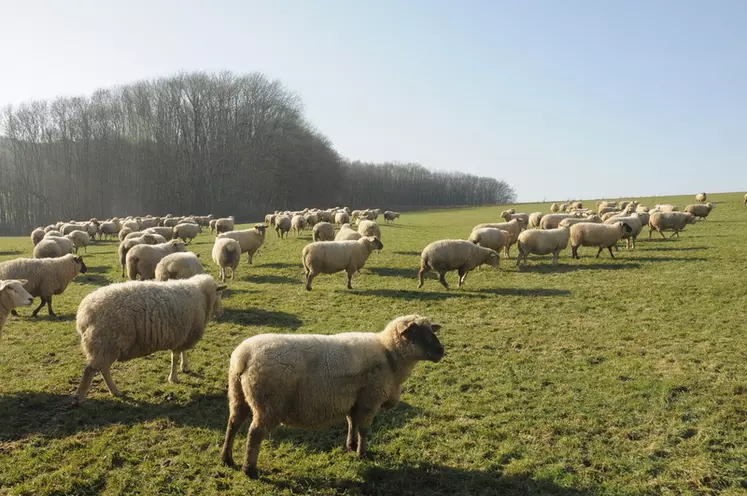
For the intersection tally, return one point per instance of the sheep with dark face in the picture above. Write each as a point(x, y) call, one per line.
point(601, 235)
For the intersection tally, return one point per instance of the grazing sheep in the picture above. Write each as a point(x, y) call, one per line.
point(127, 244)
point(314, 380)
point(298, 224)
point(555, 208)
point(577, 205)
point(131, 319)
point(635, 225)
point(186, 231)
point(341, 218)
point(534, 219)
point(44, 277)
point(669, 221)
point(601, 235)
point(700, 211)
point(65, 244)
point(347, 233)
point(542, 242)
point(224, 225)
point(250, 240)
point(490, 237)
point(513, 227)
point(282, 225)
point(701, 197)
point(454, 254)
point(389, 216)
point(329, 257)
point(79, 239)
point(37, 235)
point(141, 259)
point(166, 232)
point(179, 266)
point(369, 228)
point(226, 253)
point(12, 295)
point(47, 248)
point(552, 221)
point(324, 231)
point(52, 234)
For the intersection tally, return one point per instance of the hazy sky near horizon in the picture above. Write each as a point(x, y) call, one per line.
point(561, 98)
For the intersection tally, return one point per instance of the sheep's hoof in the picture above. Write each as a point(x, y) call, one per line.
point(251, 472)
point(352, 447)
point(174, 380)
point(76, 401)
point(227, 461)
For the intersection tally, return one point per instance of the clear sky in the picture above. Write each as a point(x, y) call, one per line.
point(561, 98)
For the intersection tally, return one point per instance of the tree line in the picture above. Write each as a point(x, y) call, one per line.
point(197, 143)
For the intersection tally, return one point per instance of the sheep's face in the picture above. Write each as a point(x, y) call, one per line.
point(260, 228)
point(179, 245)
point(80, 264)
point(421, 339)
point(493, 259)
point(13, 294)
point(689, 218)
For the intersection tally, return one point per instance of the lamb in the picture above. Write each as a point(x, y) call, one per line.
point(12, 295)
point(700, 210)
point(179, 266)
point(250, 240)
point(534, 219)
point(47, 248)
point(665, 221)
point(635, 225)
point(314, 380)
point(454, 254)
point(166, 232)
point(226, 253)
point(552, 221)
point(513, 227)
point(601, 235)
point(341, 218)
point(142, 259)
point(133, 319)
point(347, 233)
point(701, 197)
point(490, 237)
point(389, 216)
point(369, 228)
point(37, 235)
point(298, 224)
point(542, 242)
point(45, 276)
point(554, 208)
point(224, 225)
point(329, 257)
point(186, 231)
point(324, 231)
point(79, 239)
point(282, 225)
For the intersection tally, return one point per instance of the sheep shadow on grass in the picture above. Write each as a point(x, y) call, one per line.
point(270, 279)
point(10, 252)
point(393, 272)
point(677, 248)
point(93, 279)
point(413, 253)
point(562, 268)
point(257, 316)
point(282, 265)
point(671, 259)
point(419, 294)
point(525, 292)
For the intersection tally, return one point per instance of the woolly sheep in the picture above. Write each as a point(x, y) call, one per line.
point(534, 219)
point(212, 225)
point(369, 228)
point(389, 216)
point(552, 221)
point(666, 221)
point(609, 215)
point(298, 224)
point(108, 229)
point(37, 235)
point(577, 205)
point(12, 296)
point(52, 234)
point(166, 232)
point(554, 208)
point(667, 208)
point(181, 265)
point(132, 319)
point(568, 222)
point(79, 239)
point(490, 237)
point(224, 225)
point(132, 224)
point(50, 227)
point(124, 232)
point(314, 380)
point(324, 231)
point(311, 219)
point(47, 248)
point(44, 277)
point(65, 244)
point(604, 210)
point(282, 225)
point(347, 233)
point(341, 218)
point(70, 227)
point(186, 231)
point(329, 257)
point(326, 217)
point(454, 254)
point(149, 222)
point(127, 244)
point(171, 222)
point(226, 253)
point(141, 259)
point(513, 227)
point(601, 235)
point(700, 210)
point(542, 242)
point(635, 225)
point(250, 240)
point(701, 197)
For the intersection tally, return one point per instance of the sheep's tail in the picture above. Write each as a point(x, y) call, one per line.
point(132, 269)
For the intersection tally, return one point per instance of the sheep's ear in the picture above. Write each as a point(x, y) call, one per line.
point(435, 327)
point(404, 327)
point(23, 281)
point(222, 287)
point(197, 255)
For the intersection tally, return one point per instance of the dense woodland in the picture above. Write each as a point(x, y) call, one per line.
point(197, 143)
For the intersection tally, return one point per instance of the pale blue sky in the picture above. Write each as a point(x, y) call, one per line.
point(561, 98)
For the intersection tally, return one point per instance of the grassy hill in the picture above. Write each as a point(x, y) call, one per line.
point(598, 376)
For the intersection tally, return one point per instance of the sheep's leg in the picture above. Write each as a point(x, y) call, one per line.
point(250, 258)
point(36, 311)
point(600, 251)
point(110, 382)
point(310, 275)
point(650, 230)
point(662, 234)
point(49, 307)
point(257, 432)
point(172, 376)
point(421, 273)
point(185, 362)
point(350, 279)
point(442, 279)
point(222, 274)
point(85, 383)
point(352, 442)
point(675, 232)
point(462, 275)
point(555, 255)
point(610, 249)
point(574, 251)
point(240, 411)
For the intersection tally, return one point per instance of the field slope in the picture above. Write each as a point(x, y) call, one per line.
point(599, 376)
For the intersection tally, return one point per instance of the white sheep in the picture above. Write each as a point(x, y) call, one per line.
point(141, 259)
point(341, 218)
point(329, 257)
point(129, 320)
point(490, 237)
point(79, 239)
point(108, 229)
point(37, 235)
point(45, 277)
point(225, 224)
point(701, 197)
point(514, 227)
point(181, 265)
point(282, 225)
point(635, 225)
point(669, 221)
point(65, 244)
point(127, 244)
point(667, 207)
point(250, 240)
point(542, 242)
point(601, 235)
point(552, 221)
point(389, 216)
point(508, 216)
point(47, 248)
point(554, 208)
point(226, 253)
point(324, 231)
point(186, 231)
point(700, 211)
point(12, 295)
point(347, 233)
point(166, 232)
point(534, 219)
point(313, 380)
point(369, 228)
point(298, 224)
point(454, 254)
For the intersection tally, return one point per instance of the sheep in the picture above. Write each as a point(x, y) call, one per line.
point(700, 210)
point(50, 227)
point(454, 254)
point(510, 216)
point(166, 232)
point(554, 208)
point(37, 235)
point(124, 232)
point(490, 237)
point(132, 319)
point(149, 222)
point(51, 234)
point(542, 242)
point(282, 225)
point(226, 253)
point(347, 233)
point(641, 209)
point(141, 259)
point(329, 257)
point(513, 227)
point(12, 295)
point(45, 276)
point(65, 244)
point(179, 266)
point(224, 225)
point(324, 231)
point(369, 228)
point(132, 224)
point(186, 231)
point(79, 239)
point(127, 244)
point(635, 225)
point(341, 218)
point(563, 207)
point(577, 205)
point(70, 227)
point(47, 248)
point(745, 199)
point(667, 208)
point(601, 235)
point(311, 219)
point(313, 380)
point(326, 216)
point(701, 197)
point(108, 229)
point(642, 216)
point(608, 215)
point(665, 221)
point(171, 222)
point(568, 222)
point(552, 221)
point(298, 224)
point(534, 219)
point(250, 240)
point(212, 224)
point(389, 216)
point(604, 210)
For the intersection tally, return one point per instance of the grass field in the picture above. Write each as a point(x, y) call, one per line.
point(599, 376)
